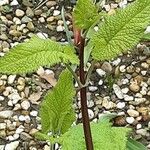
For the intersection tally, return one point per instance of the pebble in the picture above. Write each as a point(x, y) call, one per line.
point(25, 105)
point(3, 37)
point(92, 88)
point(100, 82)
point(118, 91)
point(46, 147)
point(6, 114)
point(138, 126)
point(30, 26)
point(4, 2)
point(106, 66)
point(147, 29)
point(100, 72)
point(34, 113)
point(139, 100)
point(2, 126)
point(132, 113)
point(56, 13)
point(1, 98)
point(142, 132)
point(29, 12)
point(14, 3)
point(122, 68)
point(91, 114)
point(15, 97)
point(128, 98)
point(107, 103)
point(116, 62)
point(121, 105)
point(143, 72)
point(17, 21)
point(11, 79)
point(50, 19)
point(19, 13)
point(2, 147)
point(60, 28)
point(22, 118)
point(42, 35)
point(26, 19)
point(49, 4)
point(12, 145)
point(134, 87)
point(130, 120)
point(125, 90)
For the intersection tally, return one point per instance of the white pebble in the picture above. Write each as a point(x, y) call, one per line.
point(138, 126)
point(100, 82)
point(142, 132)
point(125, 81)
point(2, 147)
point(6, 114)
point(143, 72)
point(100, 72)
point(14, 3)
point(91, 114)
point(56, 12)
point(19, 130)
point(12, 145)
point(147, 30)
point(118, 91)
point(130, 120)
point(60, 28)
point(42, 35)
point(4, 2)
point(122, 68)
point(25, 105)
point(19, 13)
point(22, 118)
point(125, 90)
point(128, 98)
point(116, 62)
point(1, 98)
point(133, 113)
point(121, 105)
point(11, 79)
point(34, 113)
point(2, 126)
point(92, 88)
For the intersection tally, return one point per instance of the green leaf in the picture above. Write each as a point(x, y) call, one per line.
point(104, 136)
point(146, 37)
point(29, 56)
point(56, 110)
point(134, 145)
point(121, 31)
point(85, 14)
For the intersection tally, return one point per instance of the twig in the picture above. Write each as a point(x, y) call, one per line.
point(74, 75)
point(41, 4)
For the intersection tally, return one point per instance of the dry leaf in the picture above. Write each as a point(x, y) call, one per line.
point(48, 75)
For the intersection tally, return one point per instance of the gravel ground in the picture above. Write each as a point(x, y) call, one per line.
point(121, 85)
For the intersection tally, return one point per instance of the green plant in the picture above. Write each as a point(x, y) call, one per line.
point(116, 34)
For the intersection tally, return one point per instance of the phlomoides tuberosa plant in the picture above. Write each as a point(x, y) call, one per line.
point(117, 33)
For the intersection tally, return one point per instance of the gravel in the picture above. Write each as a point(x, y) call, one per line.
point(121, 85)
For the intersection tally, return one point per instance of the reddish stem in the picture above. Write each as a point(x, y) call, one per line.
point(84, 108)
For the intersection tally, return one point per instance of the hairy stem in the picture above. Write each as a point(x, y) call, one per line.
point(52, 146)
point(84, 109)
point(89, 72)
